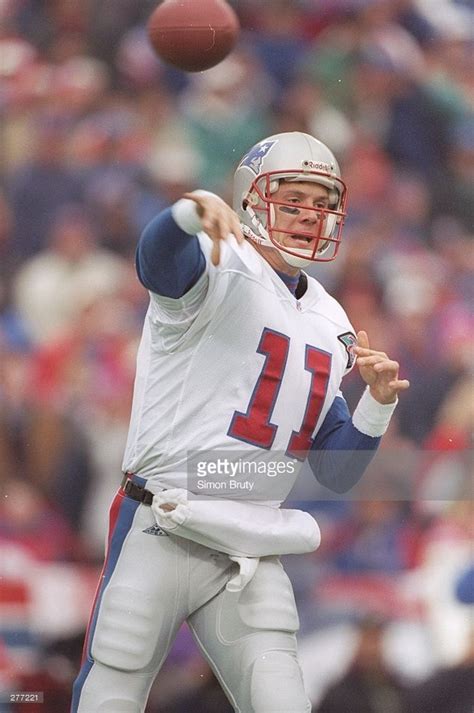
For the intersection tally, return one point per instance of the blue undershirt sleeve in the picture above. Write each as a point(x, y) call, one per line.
point(340, 453)
point(169, 261)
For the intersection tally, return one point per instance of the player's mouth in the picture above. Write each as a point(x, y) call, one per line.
point(301, 241)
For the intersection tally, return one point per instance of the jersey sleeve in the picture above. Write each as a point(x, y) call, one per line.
point(175, 323)
point(172, 266)
point(340, 453)
point(169, 261)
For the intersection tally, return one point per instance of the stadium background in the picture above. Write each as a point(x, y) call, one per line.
point(96, 137)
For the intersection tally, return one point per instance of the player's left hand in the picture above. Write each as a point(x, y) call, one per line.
point(378, 371)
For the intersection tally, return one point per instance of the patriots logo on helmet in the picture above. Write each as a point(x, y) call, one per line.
point(254, 158)
point(349, 340)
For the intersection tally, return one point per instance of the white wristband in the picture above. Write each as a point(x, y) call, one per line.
point(186, 216)
point(370, 417)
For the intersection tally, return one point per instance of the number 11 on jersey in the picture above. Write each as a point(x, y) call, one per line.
point(255, 426)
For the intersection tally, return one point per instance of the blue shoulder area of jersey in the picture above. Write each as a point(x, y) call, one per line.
point(340, 453)
point(168, 260)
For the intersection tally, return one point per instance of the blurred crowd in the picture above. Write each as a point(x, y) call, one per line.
point(96, 136)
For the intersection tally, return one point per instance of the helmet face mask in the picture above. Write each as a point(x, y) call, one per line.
point(286, 159)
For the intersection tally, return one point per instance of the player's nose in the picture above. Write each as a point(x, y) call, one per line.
point(309, 215)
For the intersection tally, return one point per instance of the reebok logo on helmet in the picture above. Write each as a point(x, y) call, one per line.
point(318, 166)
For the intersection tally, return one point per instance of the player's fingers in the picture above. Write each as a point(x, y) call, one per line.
point(399, 384)
point(369, 360)
point(209, 212)
point(362, 352)
point(218, 230)
point(217, 222)
point(168, 507)
point(224, 227)
point(216, 253)
point(199, 200)
point(387, 365)
point(229, 224)
point(363, 339)
point(193, 197)
point(210, 222)
point(217, 218)
point(237, 229)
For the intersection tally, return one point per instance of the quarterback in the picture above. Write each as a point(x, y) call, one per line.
point(242, 355)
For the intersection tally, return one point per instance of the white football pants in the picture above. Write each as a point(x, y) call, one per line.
point(151, 583)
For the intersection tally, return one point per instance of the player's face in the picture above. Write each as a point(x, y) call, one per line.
point(294, 221)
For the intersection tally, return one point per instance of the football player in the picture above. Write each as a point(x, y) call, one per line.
point(242, 353)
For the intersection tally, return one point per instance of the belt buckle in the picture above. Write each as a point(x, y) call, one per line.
point(127, 487)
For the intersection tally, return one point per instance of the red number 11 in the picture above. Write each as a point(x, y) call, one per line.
point(255, 426)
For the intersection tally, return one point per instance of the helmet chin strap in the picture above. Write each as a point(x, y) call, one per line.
point(294, 260)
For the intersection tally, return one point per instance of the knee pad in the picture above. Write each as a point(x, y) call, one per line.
point(277, 684)
point(127, 631)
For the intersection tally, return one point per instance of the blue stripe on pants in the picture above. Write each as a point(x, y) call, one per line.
point(117, 536)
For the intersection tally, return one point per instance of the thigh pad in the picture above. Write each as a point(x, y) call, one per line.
point(128, 627)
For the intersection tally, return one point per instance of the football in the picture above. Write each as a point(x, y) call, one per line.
point(193, 35)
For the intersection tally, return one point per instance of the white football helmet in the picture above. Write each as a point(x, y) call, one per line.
point(291, 156)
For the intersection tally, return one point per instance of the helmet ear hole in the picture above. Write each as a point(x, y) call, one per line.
point(330, 225)
point(333, 198)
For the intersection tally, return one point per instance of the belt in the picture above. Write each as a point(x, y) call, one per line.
point(136, 492)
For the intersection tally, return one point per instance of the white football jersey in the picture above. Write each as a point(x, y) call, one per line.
point(237, 364)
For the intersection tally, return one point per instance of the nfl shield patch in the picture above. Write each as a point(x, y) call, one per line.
point(349, 340)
